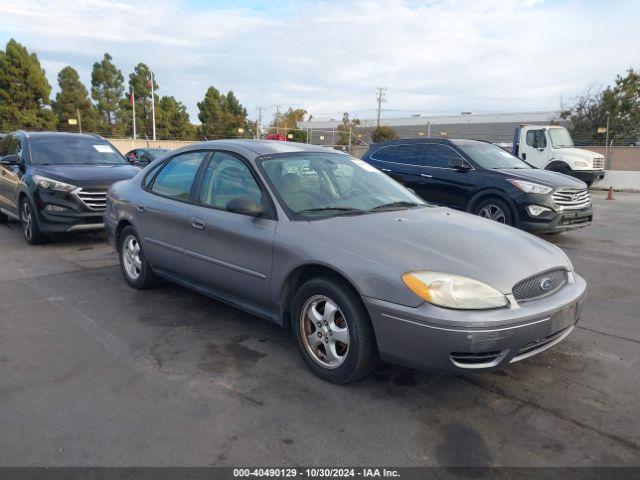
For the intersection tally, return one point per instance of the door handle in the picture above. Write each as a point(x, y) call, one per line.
point(425, 175)
point(198, 224)
point(140, 208)
point(385, 169)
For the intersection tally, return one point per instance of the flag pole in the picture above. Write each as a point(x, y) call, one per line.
point(153, 109)
point(133, 104)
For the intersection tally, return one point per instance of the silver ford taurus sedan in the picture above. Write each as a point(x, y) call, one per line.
point(356, 266)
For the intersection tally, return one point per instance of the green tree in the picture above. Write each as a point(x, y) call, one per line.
point(107, 89)
point(383, 133)
point(73, 96)
point(172, 120)
point(222, 116)
point(287, 123)
point(24, 91)
point(348, 130)
point(620, 103)
point(140, 83)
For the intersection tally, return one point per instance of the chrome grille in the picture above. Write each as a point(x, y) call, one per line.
point(598, 163)
point(540, 285)
point(93, 199)
point(571, 199)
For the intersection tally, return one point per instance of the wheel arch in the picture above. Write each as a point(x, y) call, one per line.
point(489, 193)
point(120, 226)
point(557, 165)
point(297, 277)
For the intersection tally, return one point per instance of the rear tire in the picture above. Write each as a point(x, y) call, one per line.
point(29, 222)
point(333, 331)
point(135, 269)
point(494, 209)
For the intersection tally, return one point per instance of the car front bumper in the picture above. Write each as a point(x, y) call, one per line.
point(76, 216)
point(455, 341)
point(558, 222)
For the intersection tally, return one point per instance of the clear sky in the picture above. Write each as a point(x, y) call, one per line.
point(328, 57)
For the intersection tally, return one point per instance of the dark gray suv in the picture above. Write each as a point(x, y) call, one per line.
point(355, 265)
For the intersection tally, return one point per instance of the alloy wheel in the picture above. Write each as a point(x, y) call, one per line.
point(131, 257)
point(324, 331)
point(27, 220)
point(493, 212)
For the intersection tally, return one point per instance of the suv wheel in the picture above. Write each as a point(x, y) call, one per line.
point(494, 209)
point(333, 331)
point(29, 222)
point(136, 270)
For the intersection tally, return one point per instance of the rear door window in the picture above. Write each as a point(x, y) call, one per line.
point(384, 153)
point(176, 178)
point(410, 154)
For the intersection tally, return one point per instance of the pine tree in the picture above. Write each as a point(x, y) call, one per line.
point(139, 82)
point(172, 120)
point(24, 91)
point(107, 90)
point(73, 97)
point(221, 115)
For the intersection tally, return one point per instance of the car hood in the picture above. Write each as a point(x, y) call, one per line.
point(87, 175)
point(443, 240)
point(546, 177)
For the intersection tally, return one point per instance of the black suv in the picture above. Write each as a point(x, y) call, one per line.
point(482, 178)
point(57, 182)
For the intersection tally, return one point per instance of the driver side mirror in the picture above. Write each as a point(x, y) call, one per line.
point(245, 206)
point(459, 164)
point(132, 159)
point(10, 160)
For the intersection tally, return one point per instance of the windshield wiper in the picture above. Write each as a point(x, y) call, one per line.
point(341, 210)
point(392, 205)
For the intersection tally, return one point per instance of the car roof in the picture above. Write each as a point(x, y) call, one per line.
point(59, 135)
point(263, 147)
point(412, 140)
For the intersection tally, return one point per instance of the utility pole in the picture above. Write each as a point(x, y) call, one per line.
point(380, 98)
point(277, 117)
point(259, 124)
point(79, 120)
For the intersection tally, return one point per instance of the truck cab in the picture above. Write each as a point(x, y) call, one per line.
point(550, 147)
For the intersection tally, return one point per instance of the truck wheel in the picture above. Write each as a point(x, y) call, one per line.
point(494, 209)
point(333, 331)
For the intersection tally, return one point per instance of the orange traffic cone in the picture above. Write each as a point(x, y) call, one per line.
point(610, 194)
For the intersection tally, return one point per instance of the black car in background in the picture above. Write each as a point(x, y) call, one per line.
point(57, 182)
point(482, 178)
point(141, 157)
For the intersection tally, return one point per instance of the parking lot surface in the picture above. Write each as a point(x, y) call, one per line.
point(93, 372)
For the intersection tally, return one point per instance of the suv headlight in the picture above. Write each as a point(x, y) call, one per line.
point(530, 187)
point(50, 184)
point(454, 291)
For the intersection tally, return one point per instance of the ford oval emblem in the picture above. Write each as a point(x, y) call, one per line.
point(546, 284)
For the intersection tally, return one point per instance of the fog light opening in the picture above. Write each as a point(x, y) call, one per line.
point(537, 210)
point(50, 208)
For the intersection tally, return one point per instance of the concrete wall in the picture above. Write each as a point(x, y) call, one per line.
point(125, 144)
point(628, 181)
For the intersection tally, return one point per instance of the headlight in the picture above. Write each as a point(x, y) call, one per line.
point(453, 291)
point(50, 184)
point(530, 187)
point(580, 163)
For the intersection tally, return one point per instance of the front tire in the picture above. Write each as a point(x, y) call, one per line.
point(135, 269)
point(494, 209)
point(333, 331)
point(29, 221)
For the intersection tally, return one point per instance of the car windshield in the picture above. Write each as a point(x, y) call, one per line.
point(320, 185)
point(157, 153)
point(489, 155)
point(73, 151)
point(560, 138)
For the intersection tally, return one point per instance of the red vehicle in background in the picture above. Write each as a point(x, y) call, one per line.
point(276, 136)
